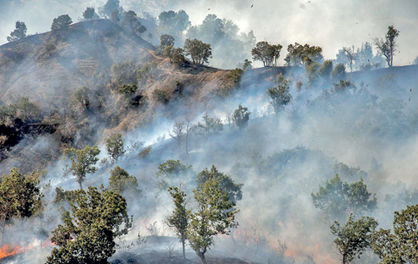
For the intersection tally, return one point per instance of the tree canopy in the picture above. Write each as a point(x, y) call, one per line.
point(115, 146)
point(199, 51)
point(82, 161)
point(61, 22)
point(120, 181)
point(19, 32)
point(266, 53)
point(88, 231)
point(303, 54)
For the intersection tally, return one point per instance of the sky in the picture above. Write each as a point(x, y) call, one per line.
point(328, 23)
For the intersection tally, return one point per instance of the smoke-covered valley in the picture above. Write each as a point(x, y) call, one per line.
point(104, 76)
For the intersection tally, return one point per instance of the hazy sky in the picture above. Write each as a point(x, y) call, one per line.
point(331, 24)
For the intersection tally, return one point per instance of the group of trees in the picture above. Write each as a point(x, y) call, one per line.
point(352, 201)
point(266, 53)
point(215, 198)
point(355, 236)
point(198, 51)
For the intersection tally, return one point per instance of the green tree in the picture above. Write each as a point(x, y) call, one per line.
point(266, 53)
point(224, 181)
point(199, 51)
point(179, 218)
point(20, 196)
point(325, 69)
point(19, 33)
point(166, 41)
point(354, 237)
point(172, 168)
point(338, 72)
point(115, 146)
point(241, 116)
point(338, 199)
point(82, 161)
point(89, 13)
point(280, 95)
point(210, 125)
point(88, 232)
point(61, 22)
point(303, 54)
point(120, 181)
point(215, 214)
point(387, 47)
point(400, 247)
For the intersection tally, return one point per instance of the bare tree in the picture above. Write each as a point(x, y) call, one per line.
point(350, 53)
point(387, 47)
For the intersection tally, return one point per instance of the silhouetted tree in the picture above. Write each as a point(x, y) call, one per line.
point(387, 47)
point(111, 8)
point(199, 51)
point(19, 33)
point(61, 22)
point(241, 116)
point(132, 24)
point(89, 13)
point(173, 23)
point(325, 70)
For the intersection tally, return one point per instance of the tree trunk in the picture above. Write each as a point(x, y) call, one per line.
point(202, 258)
point(184, 249)
point(345, 259)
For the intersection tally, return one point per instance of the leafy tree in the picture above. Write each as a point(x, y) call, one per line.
point(199, 51)
point(172, 168)
point(280, 95)
point(89, 13)
point(120, 181)
point(350, 54)
point(241, 116)
point(132, 24)
point(88, 232)
point(303, 54)
point(62, 22)
point(325, 69)
point(225, 182)
point(82, 161)
point(166, 41)
point(19, 33)
point(210, 125)
point(179, 218)
point(215, 214)
point(387, 47)
point(176, 55)
point(338, 72)
point(339, 198)
point(354, 237)
point(173, 23)
point(115, 146)
point(20, 196)
point(111, 8)
point(266, 53)
point(400, 247)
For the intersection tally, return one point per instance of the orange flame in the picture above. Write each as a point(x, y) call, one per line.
point(13, 250)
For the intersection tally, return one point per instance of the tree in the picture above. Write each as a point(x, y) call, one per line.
point(20, 196)
point(89, 13)
point(62, 22)
point(350, 55)
point(354, 237)
point(179, 218)
point(111, 8)
point(303, 54)
point(365, 60)
point(173, 23)
point(132, 24)
point(280, 95)
point(241, 116)
point(399, 247)
point(387, 47)
point(82, 161)
point(415, 62)
point(120, 181)
point(88, 232)
point(19, 33)
point(224, 181)
point(199, 51)
point(210, 125)
point(247, 65)
point(266, 53)
point(215, 214)
point(338, 72)
point(166, 41)
point(339, 198)
point(115, 146)
point(172, 168)
point(325, 69)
